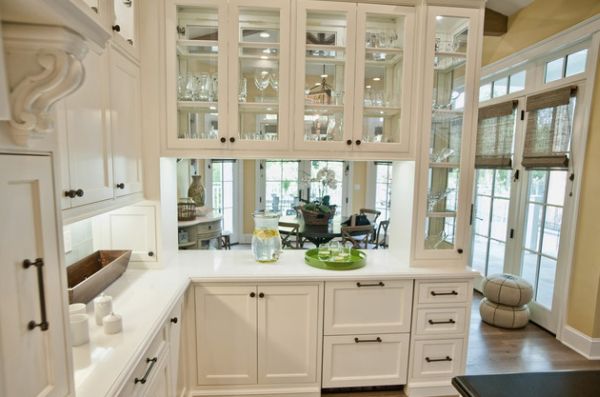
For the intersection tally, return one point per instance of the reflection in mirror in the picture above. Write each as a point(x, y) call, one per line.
point(315, 199)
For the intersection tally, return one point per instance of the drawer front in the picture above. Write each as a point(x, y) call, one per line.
point(365, 360)
point(441, 321)
point(438, 358)
point(368, 307)
point(157, 349)
point(446, 292)
point(209, 227)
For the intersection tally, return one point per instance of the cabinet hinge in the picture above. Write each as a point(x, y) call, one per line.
point(512, 233)
point(522, 115)
point(471, 216)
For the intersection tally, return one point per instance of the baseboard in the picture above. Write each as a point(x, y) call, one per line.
point(260, 391)
point(585, 345)
point(430, 389)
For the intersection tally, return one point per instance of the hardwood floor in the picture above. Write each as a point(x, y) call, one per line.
point(496, 350)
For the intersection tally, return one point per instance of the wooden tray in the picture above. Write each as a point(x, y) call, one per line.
point(91, 275)
point(356, 260)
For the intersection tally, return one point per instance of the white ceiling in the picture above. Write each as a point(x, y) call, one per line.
point(507, 7)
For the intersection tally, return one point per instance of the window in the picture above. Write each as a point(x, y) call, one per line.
point(512, 83)
point(281, 186)
point(222, 183)
point(565, 66)
point(383, 188)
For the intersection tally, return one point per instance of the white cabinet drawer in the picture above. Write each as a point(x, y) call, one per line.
point(365, 360)
point(441, 321)
point(446, 292)
point(368, 307)
point(437, 358)
point(154, 356)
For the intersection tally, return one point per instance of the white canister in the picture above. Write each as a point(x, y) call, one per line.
point(80, 330)
point(113, 324)
point(102, 307)
point(77, 308)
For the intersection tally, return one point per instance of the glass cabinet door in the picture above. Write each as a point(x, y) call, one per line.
point(383, 76)
point(259, 56)
point(324, 74)
point(196, 74)
point(124, 21)
point(445, 204)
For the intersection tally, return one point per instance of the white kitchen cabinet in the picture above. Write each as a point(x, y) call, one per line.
point(250, 335)
point(34, 342)
point(354, 75)
point(85, 139)
point(159, 384)
point(446, 158)
point(125, 117)
point(174, 325)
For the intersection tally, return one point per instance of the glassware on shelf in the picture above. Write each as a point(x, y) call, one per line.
point(181, 88)
point(261, 81)
point(191, 88)
point(434, 198)
point(382, 39)
point(204, 92)
point(243, 95)
point(441, 155)
point(274, 81)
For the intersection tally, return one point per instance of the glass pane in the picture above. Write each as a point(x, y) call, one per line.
point(227, 194)
point(576, 62)
point(533, 227)
point(290, 170)
point(443, 188)
point(321, 185)
point(197, 73)
point(482, 215)
point(485, 180)
point(446, 130)
point(228, 219)
point(502, 183)
point(496, 257)
point(439, 233)
point(537, 185)
point(124, 17)
point(529, 267)
point(552, 231)
point(479, 254)
point(384, 43)
point(554, 70)
point(500, 219)
point(324, 71)
point(273, 170)
point(545, 287)
point(517, 82)
point(257, 125)
point(556, 187)
point(500, 87)
point(485, 92)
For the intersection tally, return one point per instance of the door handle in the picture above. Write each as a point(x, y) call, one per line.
point(450, 321)
point(39, 264)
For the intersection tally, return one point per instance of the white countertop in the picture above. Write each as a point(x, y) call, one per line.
point(145, 297)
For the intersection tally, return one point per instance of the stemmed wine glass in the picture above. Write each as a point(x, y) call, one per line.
point(261, 80)
point(274, 80)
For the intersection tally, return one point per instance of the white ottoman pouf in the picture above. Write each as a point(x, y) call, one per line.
point(507, 290)
point(503, 316)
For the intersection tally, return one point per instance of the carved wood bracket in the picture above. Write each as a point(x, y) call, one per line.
point(52, 57)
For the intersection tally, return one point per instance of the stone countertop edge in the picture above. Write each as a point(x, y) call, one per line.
point(102, 365)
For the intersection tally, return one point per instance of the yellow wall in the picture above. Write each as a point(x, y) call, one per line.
point(249, 195)
point(539, 20)
point(542, 19)
point(359, 186)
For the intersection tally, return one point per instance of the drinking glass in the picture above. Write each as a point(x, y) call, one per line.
point(261, 80)
point(334, 248)
point(345, 251)
point(274, 80)
point(204, 87)
point(323, 252)
point(243, 90)
point(191, 88)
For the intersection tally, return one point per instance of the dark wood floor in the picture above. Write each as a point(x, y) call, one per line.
point(495, 350)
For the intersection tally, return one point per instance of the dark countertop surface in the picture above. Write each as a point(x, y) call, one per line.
point(536, 384)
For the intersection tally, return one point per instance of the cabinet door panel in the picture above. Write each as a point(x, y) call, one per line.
point(125, 124)
point(133, 228)
point(287, 334)
point(225, 334)
point(32, 362)
point(88, 135)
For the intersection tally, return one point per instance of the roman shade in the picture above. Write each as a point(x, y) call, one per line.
point(549, 127)
point(495, 133)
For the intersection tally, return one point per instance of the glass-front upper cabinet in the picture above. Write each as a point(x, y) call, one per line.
point(384, 59)
point(447, 161)
point(125, 27)
point(197, 74)
point(259, 71)
point(325, 61)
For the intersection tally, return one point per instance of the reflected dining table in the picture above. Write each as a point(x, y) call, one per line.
point(316, 234)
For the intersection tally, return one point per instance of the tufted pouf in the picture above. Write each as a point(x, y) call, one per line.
point(503, 316)
point(507, 290)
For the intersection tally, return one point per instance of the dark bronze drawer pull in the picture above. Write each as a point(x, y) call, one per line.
point(443, 293)
point(450, 321)
point(433, 360)
point(376, 340)
point(38, 263)
point(379, 284)
point(143, 380)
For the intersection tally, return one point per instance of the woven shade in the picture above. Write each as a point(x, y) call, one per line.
point(549, 127)
point(495, 133)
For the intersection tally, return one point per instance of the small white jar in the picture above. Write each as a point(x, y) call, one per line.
point(77, 308)
point(80, 330)
point(113, 324)
point(102, 307)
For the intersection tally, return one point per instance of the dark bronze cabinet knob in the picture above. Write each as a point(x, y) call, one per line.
point(223, 140)
point(232, 139)
point(150, 253)
point(460, 250)
point(261, 295)
point(252, 294)
point(116, 28)
point(120, 185)
point(349, 142)
point(70, 193)
point(79, 192)
point(174, 320)
point(358, 142)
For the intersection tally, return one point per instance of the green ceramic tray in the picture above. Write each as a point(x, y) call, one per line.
point(356, 260)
